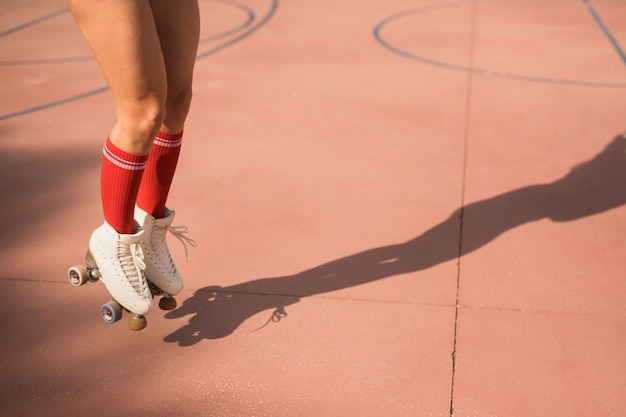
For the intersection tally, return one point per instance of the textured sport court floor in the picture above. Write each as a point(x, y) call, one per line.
point(402, 208)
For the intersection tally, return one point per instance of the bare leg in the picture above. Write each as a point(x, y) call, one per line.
point(178, 26)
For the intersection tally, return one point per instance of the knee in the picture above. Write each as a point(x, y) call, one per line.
point(138, 124)
point(152, 116)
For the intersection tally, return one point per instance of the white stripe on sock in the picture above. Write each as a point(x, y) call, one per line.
point(168, 143)
point(122, 163)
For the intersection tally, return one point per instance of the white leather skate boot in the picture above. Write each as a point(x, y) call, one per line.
point(119, 258)
point(160, 268)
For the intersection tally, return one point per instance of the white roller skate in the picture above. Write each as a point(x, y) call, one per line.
point(160, 270)
point(117, 260)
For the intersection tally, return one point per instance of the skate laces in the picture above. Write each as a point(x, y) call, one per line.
point(132, 261)
point(179, 233)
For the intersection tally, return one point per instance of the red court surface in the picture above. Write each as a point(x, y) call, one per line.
point(402, 208)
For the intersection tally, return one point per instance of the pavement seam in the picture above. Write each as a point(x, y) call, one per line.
point(468, 106)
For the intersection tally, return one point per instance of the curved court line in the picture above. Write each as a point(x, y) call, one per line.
point(54, 103)
point(200, 56)
point(248, 22)
point(32, 23)
point(244, 35)
point(546, 80)
point(66, 60)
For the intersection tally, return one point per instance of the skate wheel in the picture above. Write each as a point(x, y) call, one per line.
point(137, 322)
point(78, 275)
point(111, 312)
point(167, 303)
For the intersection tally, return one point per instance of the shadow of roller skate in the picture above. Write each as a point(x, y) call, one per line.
point(589, 188)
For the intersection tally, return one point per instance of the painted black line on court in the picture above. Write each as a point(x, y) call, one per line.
point(250, 17)
point(202, 55)
point(546, 80)
point(46, 61)
point(54, 103)
point(34, 22)
point(244, 35)
point(248, 11)
point(606, 31)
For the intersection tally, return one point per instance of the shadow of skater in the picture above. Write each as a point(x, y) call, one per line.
point(589, 188)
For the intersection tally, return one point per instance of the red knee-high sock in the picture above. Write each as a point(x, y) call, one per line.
point(159, 173)
point(119, 183)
